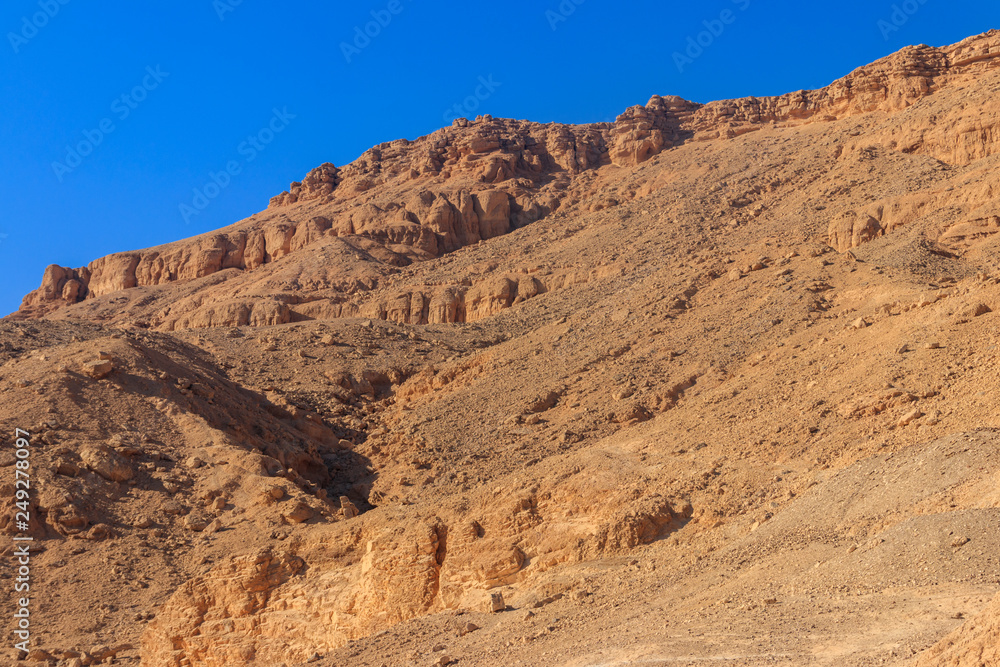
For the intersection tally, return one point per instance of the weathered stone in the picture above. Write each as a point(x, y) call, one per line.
point(195, 522)
point(300, 512)
point(910, 417)
point(347, 508)
point(107, 463)
point(98, 369)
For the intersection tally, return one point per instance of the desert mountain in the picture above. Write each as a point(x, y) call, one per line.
point(709, 383)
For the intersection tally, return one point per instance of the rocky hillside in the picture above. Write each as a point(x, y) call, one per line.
point(709, 383)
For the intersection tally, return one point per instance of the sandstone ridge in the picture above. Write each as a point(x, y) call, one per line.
point(407, 201)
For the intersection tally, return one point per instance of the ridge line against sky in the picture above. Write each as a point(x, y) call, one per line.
point(116, 117)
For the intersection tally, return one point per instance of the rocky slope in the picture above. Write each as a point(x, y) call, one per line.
point(710, 383)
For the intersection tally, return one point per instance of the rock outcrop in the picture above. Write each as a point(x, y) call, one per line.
point(274, 606)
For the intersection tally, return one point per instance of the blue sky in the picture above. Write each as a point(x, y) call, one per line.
point(115, 113)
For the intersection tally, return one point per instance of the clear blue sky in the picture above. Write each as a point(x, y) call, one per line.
point(198, 77)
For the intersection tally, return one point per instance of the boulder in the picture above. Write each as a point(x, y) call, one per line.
point(107, 463)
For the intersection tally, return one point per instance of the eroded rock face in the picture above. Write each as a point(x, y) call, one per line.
point(59, 284)
point(318, 183)
point(231, 605)
point(278, 606)
point(849, 233)
point(642, 132)
point(406, 201)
